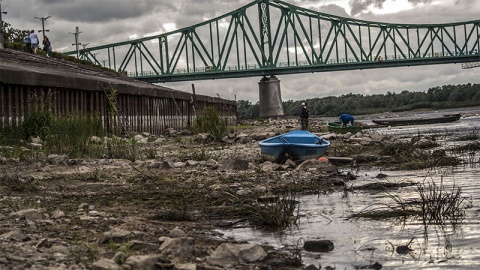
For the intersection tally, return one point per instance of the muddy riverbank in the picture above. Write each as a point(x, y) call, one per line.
point(164, 209)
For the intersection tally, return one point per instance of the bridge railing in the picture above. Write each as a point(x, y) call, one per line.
point(302, 63)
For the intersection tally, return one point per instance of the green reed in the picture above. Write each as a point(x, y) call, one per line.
point(71, 134)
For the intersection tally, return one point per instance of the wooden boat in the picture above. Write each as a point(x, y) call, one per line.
point(337, 128)
point(417, 121)
point(296, 145)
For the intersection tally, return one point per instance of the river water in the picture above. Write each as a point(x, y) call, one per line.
point(359, 243)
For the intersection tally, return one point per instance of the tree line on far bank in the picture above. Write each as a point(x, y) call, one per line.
point(440, 97)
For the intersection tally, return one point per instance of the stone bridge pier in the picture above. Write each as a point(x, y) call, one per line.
point(270, 97)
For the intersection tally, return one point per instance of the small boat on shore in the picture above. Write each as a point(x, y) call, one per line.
point(296, 145)
point(417, 121)
point(337, 128)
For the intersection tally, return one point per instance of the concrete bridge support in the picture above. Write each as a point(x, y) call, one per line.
point(270, 97)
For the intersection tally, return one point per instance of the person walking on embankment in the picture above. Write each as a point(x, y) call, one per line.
point(28, 44)
point(34, 41)
point(304, 116)
point(47, 46)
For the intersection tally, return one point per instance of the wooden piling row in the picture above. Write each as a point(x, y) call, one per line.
point(152, 113)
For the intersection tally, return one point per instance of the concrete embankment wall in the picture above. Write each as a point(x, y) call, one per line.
point(29, 81)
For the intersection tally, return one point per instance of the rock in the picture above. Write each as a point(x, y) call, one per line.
point(168, 164)
point(381, 176)
point(191, 163)
point(141, 245)
point(290, 163)
point(439, 153)
point(35, 139)
point(233, 163)
point(330, 136)
point(377, 137)
point(170, 132)
point(159, 140)
point(403, 249)
point(347, 135)
point(15, 235)
point(55, 159)
point(120, 257)
point(179, 164)
point(140, 139)
point(59, 249)
point(366, 141)
point(424, 143)
point(316, 165)
point(35, 146)
point(243, 138)
point(270, 167)
point(31, 214)
point(182, 247)
point(212, 164)
point(204, 138)
point(187, 266)
point(376, 266)
point(154, 164)
point(148, 262)
point(117, 235)
point(318, 245)
point(238, 253)
point(257, 136)
point(176, 232)
point(43, 243)
point(95, 140)
point(106, 264)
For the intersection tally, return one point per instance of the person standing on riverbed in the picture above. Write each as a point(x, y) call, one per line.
point(304, 116)
point(345, 119)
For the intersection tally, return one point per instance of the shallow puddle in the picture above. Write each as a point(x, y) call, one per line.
point(359, 243)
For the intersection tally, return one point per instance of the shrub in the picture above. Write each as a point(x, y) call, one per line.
point(37, 123)
point(210, 122)
point(71, 134)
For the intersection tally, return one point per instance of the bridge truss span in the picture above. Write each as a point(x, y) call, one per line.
point(272, 37)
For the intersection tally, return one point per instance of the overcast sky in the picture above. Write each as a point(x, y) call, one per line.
point(107, 21)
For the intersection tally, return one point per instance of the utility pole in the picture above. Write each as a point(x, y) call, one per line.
point(43, 25)
point(1, 26)
point(76, 34)
point(84, 45)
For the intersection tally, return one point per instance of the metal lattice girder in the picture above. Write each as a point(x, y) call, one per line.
point(271, 37)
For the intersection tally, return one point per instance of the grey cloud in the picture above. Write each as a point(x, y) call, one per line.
point(431, 14)
point(358, 6)
point(334, 10)
point(415, 2)
point(196, 12)
point(104, 10)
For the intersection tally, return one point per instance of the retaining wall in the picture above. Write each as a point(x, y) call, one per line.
point(28, 81)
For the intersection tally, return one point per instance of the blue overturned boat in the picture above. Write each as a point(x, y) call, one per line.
point(296, 145)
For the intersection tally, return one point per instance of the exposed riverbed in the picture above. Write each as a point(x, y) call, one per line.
point(165, 206)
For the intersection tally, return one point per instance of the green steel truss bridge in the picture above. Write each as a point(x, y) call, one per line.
point(272, 37)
